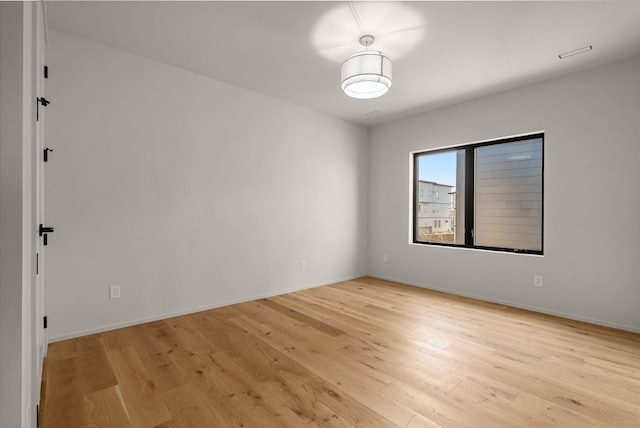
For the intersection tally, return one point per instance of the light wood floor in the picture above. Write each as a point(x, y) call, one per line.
point(358, 353)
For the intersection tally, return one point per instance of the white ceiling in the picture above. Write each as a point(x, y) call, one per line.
point(442, 52)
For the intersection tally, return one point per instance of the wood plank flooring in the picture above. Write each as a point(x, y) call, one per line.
point(365, 352)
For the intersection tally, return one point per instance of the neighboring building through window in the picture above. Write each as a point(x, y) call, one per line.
point(494, 195)
point(429, 211)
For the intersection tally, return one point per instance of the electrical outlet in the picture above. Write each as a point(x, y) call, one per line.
point(303, 264)
point(537, 281)
point(385, 258)
point(114, 292)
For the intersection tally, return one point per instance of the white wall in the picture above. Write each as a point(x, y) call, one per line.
point(191, 193)
point(592, 148)
point(11, 198)
point(188, 192)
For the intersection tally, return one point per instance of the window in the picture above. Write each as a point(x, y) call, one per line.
point(495, 190)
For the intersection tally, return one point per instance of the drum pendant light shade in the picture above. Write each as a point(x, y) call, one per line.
point(366, 74)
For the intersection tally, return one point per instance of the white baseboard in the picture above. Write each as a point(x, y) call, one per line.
point(308, 286)
point(193, 310)
point(574, 317)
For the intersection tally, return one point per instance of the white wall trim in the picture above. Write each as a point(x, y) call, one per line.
point(513, 304)
point(196, 309)
point(479, 250)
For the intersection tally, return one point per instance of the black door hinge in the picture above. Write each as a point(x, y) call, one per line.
point(43, 231)
point(46, 71)
point(41, 100)
point(45, 321)
point(45, 157)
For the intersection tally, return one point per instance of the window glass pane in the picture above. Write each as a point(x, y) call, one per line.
point(508, 195)
point(440, 184)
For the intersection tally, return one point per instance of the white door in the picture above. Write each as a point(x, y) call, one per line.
point(40, 166)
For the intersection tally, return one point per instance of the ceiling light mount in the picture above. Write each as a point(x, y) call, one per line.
point(367, 40)
point(366, 74)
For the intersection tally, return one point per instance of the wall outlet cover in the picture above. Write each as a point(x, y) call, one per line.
point(114, 292)
point(538, 280)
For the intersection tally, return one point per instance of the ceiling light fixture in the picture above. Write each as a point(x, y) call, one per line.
point(366, 74)
point(575, 52)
